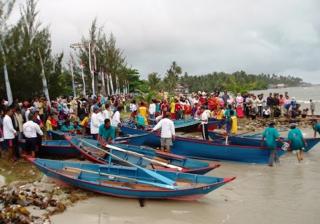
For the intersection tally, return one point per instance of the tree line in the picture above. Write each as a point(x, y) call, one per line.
point(237, 82)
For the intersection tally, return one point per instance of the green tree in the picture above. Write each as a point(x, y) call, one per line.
point(172, 77)
point(154, 81)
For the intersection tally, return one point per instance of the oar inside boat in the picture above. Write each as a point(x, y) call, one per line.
point(170, 184)
point(142, 156)
point(113, 177)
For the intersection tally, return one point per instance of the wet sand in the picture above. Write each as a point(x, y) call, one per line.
point(287, 193)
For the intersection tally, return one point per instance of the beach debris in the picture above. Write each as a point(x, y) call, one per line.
point(36, 202)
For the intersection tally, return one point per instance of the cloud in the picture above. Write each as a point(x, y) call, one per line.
point(269, 36)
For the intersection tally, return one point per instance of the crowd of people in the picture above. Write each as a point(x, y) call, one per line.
point(101, 116)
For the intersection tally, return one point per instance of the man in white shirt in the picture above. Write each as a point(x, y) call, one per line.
point(205, 114)
point(116, 118)
point(152, 110)
point(95, 122)
point(167, 132)
point(30, 131)
point(107, 113)
point(9, 133)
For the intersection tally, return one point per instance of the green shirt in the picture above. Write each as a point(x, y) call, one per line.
point(140, 120)
point(296, 138)
point(271, 134)
point(67, 128)
point(107, 133)
point(227, 114)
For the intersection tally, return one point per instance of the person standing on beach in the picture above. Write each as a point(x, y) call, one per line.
point(9, 133)
point(167, 132)
point(205, 114)
point(312, 107)
point(296, 141)
point(94, 122)
point(31, 130)
point(270, 137)
point(316, 127)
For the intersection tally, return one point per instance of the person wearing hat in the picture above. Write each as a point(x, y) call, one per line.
point(296, 141)
point(270, 136)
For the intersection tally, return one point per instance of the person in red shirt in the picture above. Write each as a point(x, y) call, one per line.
point(178, 109)
point(203, 99)
point(164, 107)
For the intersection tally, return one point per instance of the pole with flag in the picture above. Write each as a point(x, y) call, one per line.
point(72, 76)
point(44, 80)
point(83, 79)
point(8, 87)
point(5, 71)
point(91, 71)
point(108, 85)
point(111, 84)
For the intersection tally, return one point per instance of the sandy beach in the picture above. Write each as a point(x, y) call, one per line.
point(287, 193)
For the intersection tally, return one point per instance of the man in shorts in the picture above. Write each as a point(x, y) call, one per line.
point(296, 141)
point(30, 131)
point(167, 132)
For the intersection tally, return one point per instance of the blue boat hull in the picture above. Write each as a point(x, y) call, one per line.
point(55, 148)
point(95, 182)
point(255, 140)
point(201, 149)
point(187, 165)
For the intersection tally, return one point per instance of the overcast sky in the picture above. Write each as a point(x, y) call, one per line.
point(269, 36)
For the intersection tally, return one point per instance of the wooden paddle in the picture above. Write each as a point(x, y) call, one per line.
point(170, 184)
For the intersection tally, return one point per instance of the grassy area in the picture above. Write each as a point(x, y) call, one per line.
point(19, 171)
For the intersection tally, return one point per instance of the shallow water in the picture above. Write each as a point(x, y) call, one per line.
point(302, 95)
point(287, 193)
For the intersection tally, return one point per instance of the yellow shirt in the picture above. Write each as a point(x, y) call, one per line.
point(49, 125)
point(143, 111)
point(220, 114)
point(84, 122)
point(172, 107)
point(234, 125)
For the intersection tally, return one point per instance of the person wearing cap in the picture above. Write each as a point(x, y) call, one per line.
point(269, 138)
point(316, 127)
point(296, 141)
point(167, 132)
